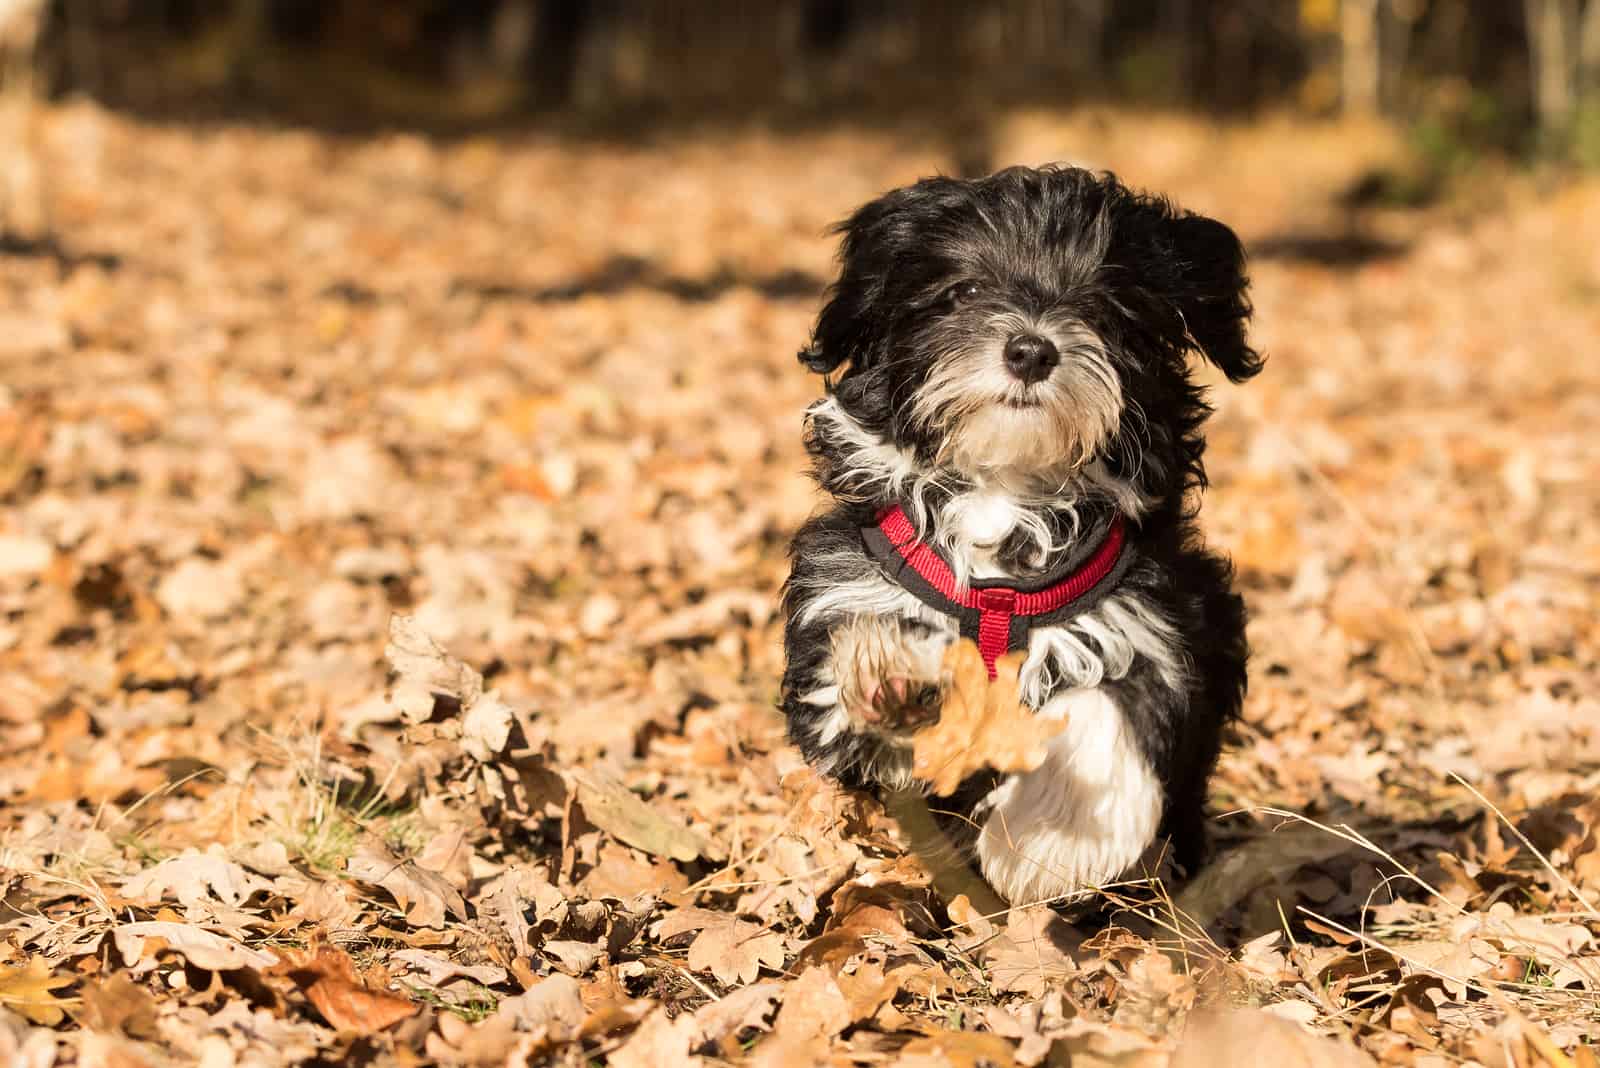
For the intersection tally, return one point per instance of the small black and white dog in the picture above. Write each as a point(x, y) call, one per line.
point(1014, 449)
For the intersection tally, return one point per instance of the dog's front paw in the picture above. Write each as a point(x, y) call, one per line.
point(900, 705)
point(889, 675)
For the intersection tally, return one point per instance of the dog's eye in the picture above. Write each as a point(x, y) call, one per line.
point(960, 293)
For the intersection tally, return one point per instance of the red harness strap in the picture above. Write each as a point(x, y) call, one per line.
point(997, 605)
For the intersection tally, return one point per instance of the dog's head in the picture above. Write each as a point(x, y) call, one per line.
point(1023, 328)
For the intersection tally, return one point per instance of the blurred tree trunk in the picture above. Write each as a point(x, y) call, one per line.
point(1553, 60)
point(1589, 52)
point(1403, 18)
point(1360, 61)
point(22, 202)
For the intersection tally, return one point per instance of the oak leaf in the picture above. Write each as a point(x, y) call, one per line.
point(729, 948)
point(29, 991)
point(982, 723)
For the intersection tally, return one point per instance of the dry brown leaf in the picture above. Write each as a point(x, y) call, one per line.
point(553, 1005)
point(29, 991)
point(741, 1010)
point(436, 971)
point(424, 895)
point(621, 875)
point(328, 977)
point(421, 663)
point(660, 1040)
point(982, 723)
point(191, 877)
point(138, 943)
point(117, 1004)
point(729, 948)
point(617, 810)
point(1033, 954)
point(813, 1005)
point(867, 989)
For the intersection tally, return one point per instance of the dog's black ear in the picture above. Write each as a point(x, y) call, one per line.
point(848, 326)
point(1213, 293)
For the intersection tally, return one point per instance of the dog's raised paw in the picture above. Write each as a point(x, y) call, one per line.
point(901, 704)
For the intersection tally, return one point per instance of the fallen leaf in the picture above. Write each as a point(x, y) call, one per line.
point(419, 661)
point(1034, 953)
point(138, 943)
point(117, 1004)
point(29, 991)
point(192, 877)
point(424, 895)
point(617, 810)
point(436, 971)
point(660, 1040)
point(741, 1010)
point(574, 958)
point(620, 875)
point(729, 948)
point(962, 1049)
point(553, 1008)
point(328, 978)
point(813, 1005)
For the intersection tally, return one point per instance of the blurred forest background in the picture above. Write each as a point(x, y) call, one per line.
point(1467, 74)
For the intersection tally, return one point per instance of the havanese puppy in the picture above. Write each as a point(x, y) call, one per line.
point(1014, 452)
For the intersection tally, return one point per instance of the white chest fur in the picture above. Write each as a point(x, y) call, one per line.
point(1082, 818)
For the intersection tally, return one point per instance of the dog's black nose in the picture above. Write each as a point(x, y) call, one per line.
point(1031, 357)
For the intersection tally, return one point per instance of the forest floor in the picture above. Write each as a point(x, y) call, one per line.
point(390, 534)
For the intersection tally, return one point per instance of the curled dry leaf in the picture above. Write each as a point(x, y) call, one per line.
point(421, 662)
point(328, 977)
point(435, 971)
point(424, 895)
point(742, 1010)
point(982, 723)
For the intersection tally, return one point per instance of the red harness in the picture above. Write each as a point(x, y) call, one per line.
point(998, 617)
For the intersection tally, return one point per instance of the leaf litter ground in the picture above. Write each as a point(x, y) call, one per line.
point(390, 535)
